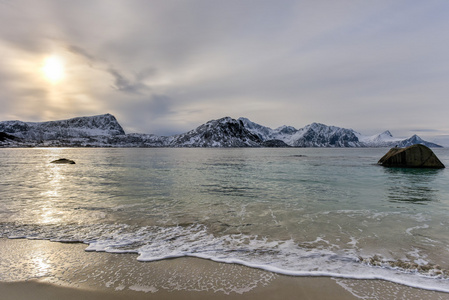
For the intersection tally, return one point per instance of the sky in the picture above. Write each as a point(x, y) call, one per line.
point(168, 66)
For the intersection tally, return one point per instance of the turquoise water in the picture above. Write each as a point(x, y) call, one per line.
point(308, 212)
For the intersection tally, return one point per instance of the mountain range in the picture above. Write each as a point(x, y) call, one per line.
point(105, 131)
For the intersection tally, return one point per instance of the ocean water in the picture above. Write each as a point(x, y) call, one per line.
point(301, 212)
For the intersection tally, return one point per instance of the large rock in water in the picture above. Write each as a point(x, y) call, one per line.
point(415, 156)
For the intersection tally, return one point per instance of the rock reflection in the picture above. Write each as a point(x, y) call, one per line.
point(408, 185)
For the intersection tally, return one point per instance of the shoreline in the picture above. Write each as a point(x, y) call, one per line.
point(41, 269)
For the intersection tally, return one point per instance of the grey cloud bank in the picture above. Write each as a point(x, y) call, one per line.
point(167, 66)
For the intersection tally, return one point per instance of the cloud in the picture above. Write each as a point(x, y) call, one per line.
point(370, 66)
point(82, 52)
point(121, 83)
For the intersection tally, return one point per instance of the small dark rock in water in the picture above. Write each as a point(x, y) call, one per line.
point(415, 156)
point(63, 161)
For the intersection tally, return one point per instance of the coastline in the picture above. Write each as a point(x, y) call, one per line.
point(51, 270)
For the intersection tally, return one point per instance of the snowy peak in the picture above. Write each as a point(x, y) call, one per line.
point(263, 132)
point(384, 137)
point(285, 130)
point(416, 140)
point(386, 134)
point(105, 124)
point(100, 125)
point(224, 132)
point(282, 133)
point(320, 135)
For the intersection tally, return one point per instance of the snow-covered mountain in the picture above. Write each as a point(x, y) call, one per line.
point(101, 125)
point(384, 138)
point(413, 140)
point(313, 135)
point(105, 131)
point(225, 132)
point(264, 133)
point(320, 135)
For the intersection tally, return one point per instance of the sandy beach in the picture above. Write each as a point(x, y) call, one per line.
point(36, 269)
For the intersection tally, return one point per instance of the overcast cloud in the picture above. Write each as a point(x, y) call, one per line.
point(166, 66)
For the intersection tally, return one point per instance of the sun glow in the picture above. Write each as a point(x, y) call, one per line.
point(53, 69)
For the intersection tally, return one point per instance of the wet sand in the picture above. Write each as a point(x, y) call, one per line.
point(35, 269)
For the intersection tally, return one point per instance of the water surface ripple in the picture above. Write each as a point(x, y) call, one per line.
point(314, 212)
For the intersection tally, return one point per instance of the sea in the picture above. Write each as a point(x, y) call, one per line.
point(295, 211)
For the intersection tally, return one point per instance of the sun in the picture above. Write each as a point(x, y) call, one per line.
point(53, 69)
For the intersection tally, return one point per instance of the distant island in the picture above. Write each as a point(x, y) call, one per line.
point(105, 131)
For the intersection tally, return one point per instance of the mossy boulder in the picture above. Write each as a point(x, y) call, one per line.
point(415, 156)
